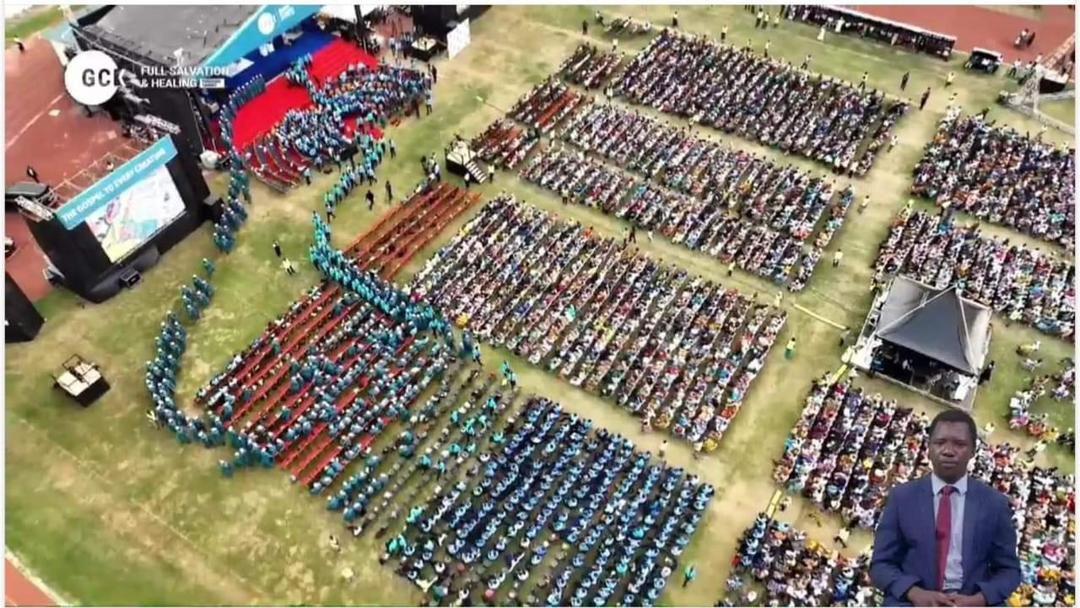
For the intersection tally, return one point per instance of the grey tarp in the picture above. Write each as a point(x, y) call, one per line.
point(938, 324)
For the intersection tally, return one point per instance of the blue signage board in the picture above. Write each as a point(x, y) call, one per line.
point(267, 23)
point(114, 184)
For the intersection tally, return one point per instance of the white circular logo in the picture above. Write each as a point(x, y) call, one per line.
point(266, 24)
point(91, 78)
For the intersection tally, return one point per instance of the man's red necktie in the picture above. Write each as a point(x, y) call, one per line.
point(944, 532)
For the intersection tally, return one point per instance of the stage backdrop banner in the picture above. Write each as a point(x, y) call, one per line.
point(267, 23)
point(458, 39)
point(98, 196)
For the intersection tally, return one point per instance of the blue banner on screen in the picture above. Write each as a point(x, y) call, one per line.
point(267, 23)
point(114, 184)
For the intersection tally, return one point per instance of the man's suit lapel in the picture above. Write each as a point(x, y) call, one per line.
point(972, 513)
point(925, 515)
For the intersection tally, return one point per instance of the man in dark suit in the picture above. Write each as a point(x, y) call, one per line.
point(946, 539)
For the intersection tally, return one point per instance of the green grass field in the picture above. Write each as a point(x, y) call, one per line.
point(108, 510)
point(31, 22)
point(1063, 110)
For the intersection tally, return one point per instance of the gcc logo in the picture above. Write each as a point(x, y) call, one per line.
point(92, 78)
point(266, 23)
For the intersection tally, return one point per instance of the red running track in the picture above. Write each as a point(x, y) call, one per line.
point(975, 26)
point(21, 591)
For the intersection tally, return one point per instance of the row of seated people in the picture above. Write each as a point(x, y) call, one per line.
point(1021, 283)
point(677, 351)
point(291, 332)
point(844, 21)
point(589, 66)
point(783, 198)
point(549, 497)
point(1001, 176)
point(736, 227)
point(795, 570)
point(373, 498)
point(765, 100)
point(317, 410)
point(1060, 386)
point(849, 449)
point(546, 104)
point(505, 144)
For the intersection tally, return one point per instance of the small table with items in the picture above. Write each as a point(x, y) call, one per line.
point(424, 48)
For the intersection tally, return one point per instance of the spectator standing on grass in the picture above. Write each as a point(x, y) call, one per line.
point(904, 80)
point(334, 544)
point(675, 19)
point(789, 350)
point(837, 257)
point(723, 34)
point(842, 537)
point(862, 81)
point(845, 336)
point(584, 27)
point(370, 197)
point(925, 97)
point(277, 249)
point(689, 575)
point(949, 78)
point(663, 449)
point(806, 62)
point(389, 192)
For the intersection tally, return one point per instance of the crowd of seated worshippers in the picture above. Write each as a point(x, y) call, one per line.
point(724, 181)
point(505, 144)
point(589, 66)
point(795, 570)
point(766, 100)
point(850, 448)
point(559, 296)
point(760, 226)
point(1001, 176)
point(554, 498)
point(1019, 282)
point(546, 104)
point(1060, 386)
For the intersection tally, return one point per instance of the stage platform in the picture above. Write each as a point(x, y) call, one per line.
point(271, 66)
point(265, 111)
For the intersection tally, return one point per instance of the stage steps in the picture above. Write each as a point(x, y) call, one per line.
point(479, 175)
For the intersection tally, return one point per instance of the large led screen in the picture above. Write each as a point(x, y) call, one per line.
point(140, 212)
